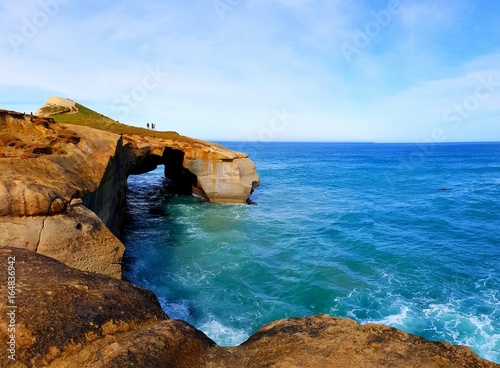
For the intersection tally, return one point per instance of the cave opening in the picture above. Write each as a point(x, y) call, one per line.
point(179, 179)
point(151, 183)
point(148, 195)
point(182, 180)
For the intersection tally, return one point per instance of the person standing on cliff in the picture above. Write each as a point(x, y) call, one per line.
point(153, 126)
point(147, 125)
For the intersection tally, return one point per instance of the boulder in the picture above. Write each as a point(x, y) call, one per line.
point(60, 309)
point(324, 341)
point(78, 238)
point(169, 343)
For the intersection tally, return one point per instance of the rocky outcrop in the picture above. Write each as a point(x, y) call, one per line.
point(57, 105)
point(210, 170)
point(69, 318)
point(59, 309)
point(45, 167)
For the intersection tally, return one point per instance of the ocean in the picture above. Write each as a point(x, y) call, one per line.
point(406, 235)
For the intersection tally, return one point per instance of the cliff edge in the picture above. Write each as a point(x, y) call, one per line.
point(63, 183)
point(62, 191)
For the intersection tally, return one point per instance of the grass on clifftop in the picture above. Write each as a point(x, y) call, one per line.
point(92, 119)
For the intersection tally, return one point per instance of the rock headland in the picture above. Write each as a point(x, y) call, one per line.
point(63, 186)
point(63, 175)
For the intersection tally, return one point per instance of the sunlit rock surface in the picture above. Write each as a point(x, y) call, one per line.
point(46, 167)
point(69, 318)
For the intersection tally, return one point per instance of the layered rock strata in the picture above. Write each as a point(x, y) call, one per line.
point(55, 179)
point(212, 171)
point(74, 319)
point(62, 189)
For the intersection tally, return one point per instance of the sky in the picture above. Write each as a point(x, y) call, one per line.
point(263, 70)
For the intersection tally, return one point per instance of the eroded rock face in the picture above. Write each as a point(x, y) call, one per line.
point(38, 184)
point(61, 309)
point(90, 159)
point(44, 166)
point(212, 171)
point(34, 184)
point(324, 341)
point(74, 319)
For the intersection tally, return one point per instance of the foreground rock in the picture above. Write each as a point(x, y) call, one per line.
point(55, 179)
point(324, 341)
point(61, 309)
point(69, 318)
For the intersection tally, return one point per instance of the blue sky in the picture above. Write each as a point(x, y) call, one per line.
point(266, 70)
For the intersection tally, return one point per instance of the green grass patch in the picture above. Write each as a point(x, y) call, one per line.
point(92, 119)
point(52, 110)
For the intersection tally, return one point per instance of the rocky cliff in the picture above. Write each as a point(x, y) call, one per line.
point(62, 186)
point(62, 189)
point(46, 171)
point(74, 319)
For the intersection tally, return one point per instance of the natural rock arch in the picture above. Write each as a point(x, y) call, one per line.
point(66, 202)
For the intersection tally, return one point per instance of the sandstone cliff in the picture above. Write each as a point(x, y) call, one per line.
point(69, 318)
point(44, 169)
point(62, 189)
point(55, 178)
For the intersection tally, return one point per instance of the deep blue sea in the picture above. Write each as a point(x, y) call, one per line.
point(402, 234)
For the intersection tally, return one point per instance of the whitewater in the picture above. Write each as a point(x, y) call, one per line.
point(402, 234)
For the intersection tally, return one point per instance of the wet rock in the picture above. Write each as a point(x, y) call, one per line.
point(68, 318)
point(324, 341)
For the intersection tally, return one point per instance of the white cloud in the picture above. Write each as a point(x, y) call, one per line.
point(226, 77)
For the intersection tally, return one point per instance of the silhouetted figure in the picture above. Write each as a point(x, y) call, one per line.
point(147, 125)
point(153, 126)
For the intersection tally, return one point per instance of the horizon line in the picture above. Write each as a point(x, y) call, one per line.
point(351, 142)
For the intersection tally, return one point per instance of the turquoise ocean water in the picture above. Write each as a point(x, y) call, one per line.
point(401, 234)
